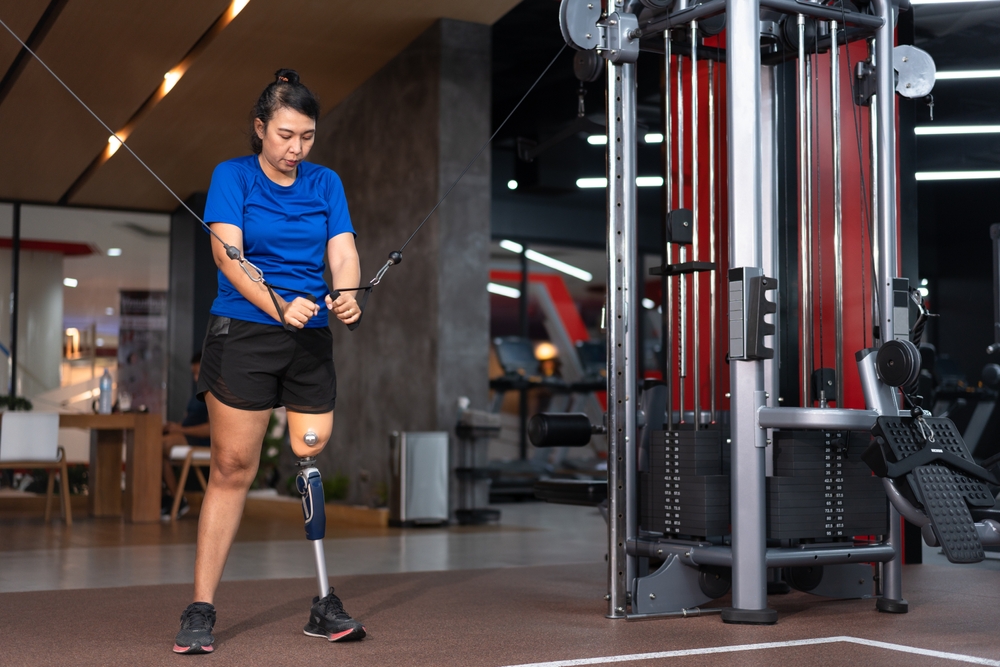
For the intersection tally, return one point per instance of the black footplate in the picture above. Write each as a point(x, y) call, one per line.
point(941, 476)
point(945, 504)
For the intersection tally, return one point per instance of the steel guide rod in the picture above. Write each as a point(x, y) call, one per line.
point(838, 214)
point(667, 300)
point(810, 323)
point(682, 340)
point(805, 299)
point(712, 291)
point(696, 276)
point(622, 340)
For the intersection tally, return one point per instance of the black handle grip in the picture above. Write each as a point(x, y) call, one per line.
point(335, 294)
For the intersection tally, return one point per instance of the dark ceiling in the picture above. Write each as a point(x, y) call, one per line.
point(114, 53)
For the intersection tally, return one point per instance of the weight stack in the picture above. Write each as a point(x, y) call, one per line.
point(686, 491)
point(821, 488)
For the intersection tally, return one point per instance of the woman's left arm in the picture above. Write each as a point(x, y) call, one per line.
point(345, 268)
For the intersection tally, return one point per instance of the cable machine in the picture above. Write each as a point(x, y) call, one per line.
point(705, 469)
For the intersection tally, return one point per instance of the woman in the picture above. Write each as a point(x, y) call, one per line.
point(283, 214)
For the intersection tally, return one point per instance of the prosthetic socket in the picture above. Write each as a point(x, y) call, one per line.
point(309, 484)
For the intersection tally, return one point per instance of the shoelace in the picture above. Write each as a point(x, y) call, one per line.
point(198, 618)
point(332, 606)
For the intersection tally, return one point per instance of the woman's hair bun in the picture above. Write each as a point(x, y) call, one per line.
point(286, 76)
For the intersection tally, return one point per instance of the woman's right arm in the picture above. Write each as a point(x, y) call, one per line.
point(297, 312)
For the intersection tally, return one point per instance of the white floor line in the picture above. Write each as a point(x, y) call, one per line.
point(763, 646)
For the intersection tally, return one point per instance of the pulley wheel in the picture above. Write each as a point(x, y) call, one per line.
point(898, 363)
point(803, 579)
point(587, 66)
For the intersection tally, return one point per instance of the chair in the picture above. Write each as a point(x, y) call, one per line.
point(199, 457)
point(31, 440)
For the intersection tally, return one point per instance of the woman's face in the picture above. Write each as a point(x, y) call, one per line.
point(286, 139)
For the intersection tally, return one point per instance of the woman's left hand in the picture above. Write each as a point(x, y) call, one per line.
point(345, 307)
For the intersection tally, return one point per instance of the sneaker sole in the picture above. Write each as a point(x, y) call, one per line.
point(191, 650)
point(347, 635)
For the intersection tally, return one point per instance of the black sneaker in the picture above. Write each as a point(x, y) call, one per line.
point(328, 619)
point(195, 635)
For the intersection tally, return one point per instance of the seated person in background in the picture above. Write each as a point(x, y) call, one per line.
point(193, 430)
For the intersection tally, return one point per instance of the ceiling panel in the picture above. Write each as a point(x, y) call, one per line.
point(21, 17)
point(113, 54)
point(204, 120)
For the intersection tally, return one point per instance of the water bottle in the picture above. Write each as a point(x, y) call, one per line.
point(104, 402)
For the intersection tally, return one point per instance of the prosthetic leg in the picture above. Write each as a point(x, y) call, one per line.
point(309, 484)
point(327, 617)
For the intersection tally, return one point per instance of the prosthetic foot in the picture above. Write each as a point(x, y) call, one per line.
point(327, 617)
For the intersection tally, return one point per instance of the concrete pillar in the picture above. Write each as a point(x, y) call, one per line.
point(398, 142)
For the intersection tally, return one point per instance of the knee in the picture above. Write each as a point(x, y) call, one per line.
point(310, 439)
point(232, 470)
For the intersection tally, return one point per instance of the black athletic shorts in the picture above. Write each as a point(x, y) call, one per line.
point(253, 366)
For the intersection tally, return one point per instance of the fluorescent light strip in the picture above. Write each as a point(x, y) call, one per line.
point(553, 263)
point(70, 282)
point(597, 140)
point(956, 129)
point(968, 74)
point(601, 182)
point(956, 175)
point(654, 138)
point(503, 290)
point(545, 260)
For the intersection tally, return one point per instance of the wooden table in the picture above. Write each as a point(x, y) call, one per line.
point(142, 435)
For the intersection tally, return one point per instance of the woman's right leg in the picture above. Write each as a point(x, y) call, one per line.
point(237, 436)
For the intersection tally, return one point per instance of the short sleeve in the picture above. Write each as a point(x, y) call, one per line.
point(339, 218)
point(226, 195)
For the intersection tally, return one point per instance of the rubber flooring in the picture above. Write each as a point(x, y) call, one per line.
point(494, 618)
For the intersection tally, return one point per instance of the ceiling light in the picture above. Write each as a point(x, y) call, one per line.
point(597, 140)
point(923, 282)
point(956, 129)
point(923, 291)
point(545, 351)
point(114, 252)
point(968, 74)
point(170, 80)
point(553, 263)
point(648, 304)
point(109, 311)
point(512, 184)
point(114, 143)
point(236, 8)
point(641, 181)
point(512, 246)
point(70, 282)
point(956, 175)
point(654, 138)
point(503, 290)
point(545, 260)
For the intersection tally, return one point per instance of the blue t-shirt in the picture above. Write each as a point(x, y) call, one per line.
point(285, 230)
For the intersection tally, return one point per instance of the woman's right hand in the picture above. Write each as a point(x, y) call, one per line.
point(299, 311)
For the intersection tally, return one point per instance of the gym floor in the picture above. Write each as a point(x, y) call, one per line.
point(526, 592)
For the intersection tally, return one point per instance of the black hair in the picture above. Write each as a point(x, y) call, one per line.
point(196, 357)
point(284, 91)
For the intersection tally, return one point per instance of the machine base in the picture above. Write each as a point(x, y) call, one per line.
point(888, 606)
point(749, 616)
